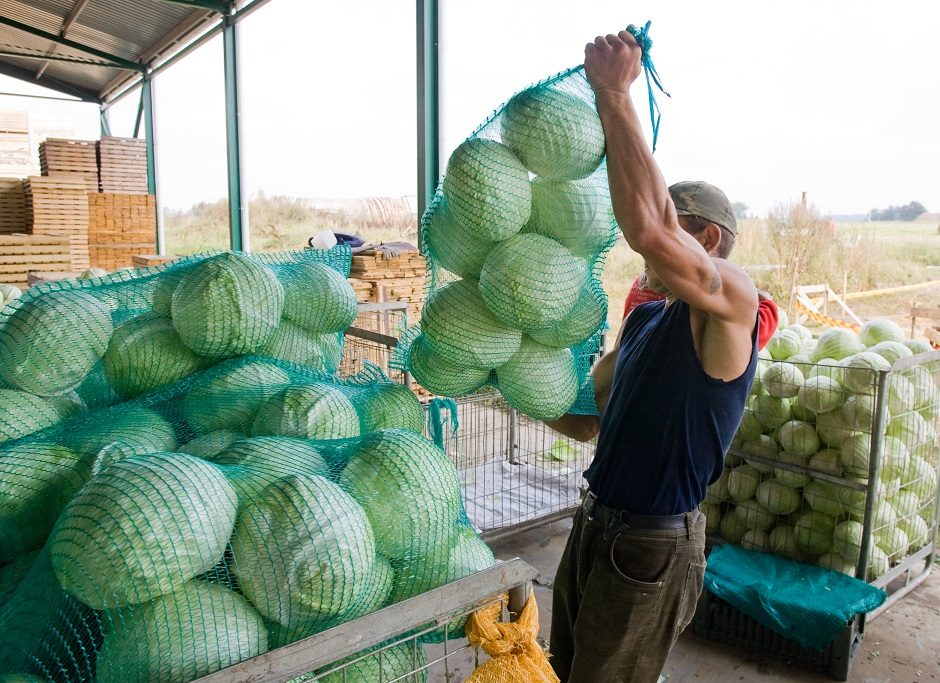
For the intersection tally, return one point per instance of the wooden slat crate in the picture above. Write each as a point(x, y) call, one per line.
point(22, 253)
point(120, 227)
point(401, 278)
point(12, 206)
point(122, 165)
point(58, 205)
point(59, 155)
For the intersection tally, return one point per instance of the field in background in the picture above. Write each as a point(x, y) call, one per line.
point(856, 256)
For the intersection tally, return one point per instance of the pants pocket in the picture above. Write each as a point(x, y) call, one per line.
point(694, 580)
point(640, 561)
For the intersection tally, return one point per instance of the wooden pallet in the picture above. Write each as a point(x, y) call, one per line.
point(60, 155)
point(120, 227)
point(21, 254)
point(12, 206)
point(401, 278)
point(58, 205)
point(148, 260)
point(122, 165)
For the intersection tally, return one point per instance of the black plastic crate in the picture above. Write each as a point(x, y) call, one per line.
point(719, 621)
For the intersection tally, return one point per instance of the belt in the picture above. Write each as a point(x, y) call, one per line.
point(591, 506)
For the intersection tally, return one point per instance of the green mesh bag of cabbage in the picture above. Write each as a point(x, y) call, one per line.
point(70, 346)
point(234, 511)
point(516, 237)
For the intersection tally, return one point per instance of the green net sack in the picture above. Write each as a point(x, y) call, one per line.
point(234, 511)
point(75, 345)
point(516, 237)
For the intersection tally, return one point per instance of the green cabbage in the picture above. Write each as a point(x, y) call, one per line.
point(772, 411)
point(194, 631)
point(763, 445)
point(487, 189)
point(458, 327)
point(918, 345)
point(814, 533)
point(409, 489)
point(782, 380)
point(894, 541)
point(717, 492)
point(901, 395)
point(142, 527)
point(756, 539)
point(789, 477)
point(295, 344)
point(712, 512)
point(783, 345)
point(891, 351)
point(574, 214)
point(732, 528)
point(837, 563)
point(585, 318)
point(390, 664)
point(879, 330)
point(828, 461)
point(539, 381)
point(145, 353)
point(750, 427)
point(37, 479)
point(22, 413)
point(231, 398)
point(917, 531)
point(856, 450)
point(742, 483)
point(317, 297)
point(531, 282)
point(798, 437)
point(777, 498)
point(228, 306)
point(820, 394)
point(801, 331)
point(390, 406)
point(837, 343)
point(314, 411)
point(440, 376)
point(823, 497)
point(139, 430)
point(782, 541)
point(861, 372)
point(847, 539)
point(49, 344)
point(454, 246)
point(250, 464)
point(832, 428)
point(301, 548)
point(210, 445)
point(858, 412)
point(556, 134)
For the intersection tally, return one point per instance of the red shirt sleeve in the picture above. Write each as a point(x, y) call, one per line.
point(639, 295)
point(767, 317)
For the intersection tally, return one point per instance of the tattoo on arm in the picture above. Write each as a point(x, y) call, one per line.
point(716, 281)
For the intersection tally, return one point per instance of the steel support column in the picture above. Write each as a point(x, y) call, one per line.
point(147, 106)
point(105, 120)
point(429, 132)
point(237, 200)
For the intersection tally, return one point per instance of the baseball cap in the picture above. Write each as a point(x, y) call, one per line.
point(698, 198)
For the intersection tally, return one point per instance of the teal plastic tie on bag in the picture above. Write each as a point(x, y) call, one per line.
point(805, 603)
point(652, 77)
point(436, 419)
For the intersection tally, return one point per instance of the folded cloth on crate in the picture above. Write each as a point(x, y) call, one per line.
point(805, 603)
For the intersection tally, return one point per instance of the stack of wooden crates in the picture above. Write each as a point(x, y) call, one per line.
point(376, 278)
point(90, 207)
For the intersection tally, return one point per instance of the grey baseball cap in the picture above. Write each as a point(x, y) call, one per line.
point(698, 198)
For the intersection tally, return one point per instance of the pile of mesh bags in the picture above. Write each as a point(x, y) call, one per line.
point(70, 346)
point(203, 495)
point(516, 237)
point(236, 511)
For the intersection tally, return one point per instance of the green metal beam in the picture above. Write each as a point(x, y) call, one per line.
point(237, 201)
point(116, 61)
point(51, 83)
point(219, 6)
point(105, 120)
point(146, 99)
point(53, 58)
point(429, 131)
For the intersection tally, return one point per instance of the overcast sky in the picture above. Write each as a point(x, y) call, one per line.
point(839, 98)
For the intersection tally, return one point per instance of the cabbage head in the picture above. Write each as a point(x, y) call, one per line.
point(861, 372)
point(295, 344)
point(539, 381)
point(777, 498)
point(531, 282)
point(141, 528)
point(256, 462)
point(313, 411)
point(891, 351)
point(49, 344)
point(782, 380)
point(783, 345)
point(145, 353)
point(814, 533)
point(837, 343)
point(556, 134)
point(573, 213)
point(409, 489)
point(823, 497)
point(37, 479)
point(192, 632)
point(139, 430)
point(22, 413)
point(390, 406)
point(782, 541)
point(585, 318)
point(228, 306)
point(317, 297)
point(772, 411)
point(454, 246)
point(487, 189)
point(438, 375)
point(210, 445)
point(302, 547)
point(732, 528)
point(820, 394)
point(458, 327)
point(742, 483)
point(798, 437)
point(392, 664)
point(880, 330)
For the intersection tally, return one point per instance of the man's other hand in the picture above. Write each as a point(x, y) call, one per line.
point(612, 62)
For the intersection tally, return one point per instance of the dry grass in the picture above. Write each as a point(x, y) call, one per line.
point(793, 244)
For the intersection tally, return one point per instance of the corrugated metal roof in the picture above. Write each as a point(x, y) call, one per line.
point(103, 41)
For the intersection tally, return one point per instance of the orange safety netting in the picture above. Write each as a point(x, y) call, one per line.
point(516, 656)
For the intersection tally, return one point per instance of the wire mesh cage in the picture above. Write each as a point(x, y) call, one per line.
point(373, 334)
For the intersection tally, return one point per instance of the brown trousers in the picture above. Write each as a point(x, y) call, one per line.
point(621, 599)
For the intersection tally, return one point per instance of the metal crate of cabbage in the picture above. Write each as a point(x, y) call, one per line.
point(515, 471)
point(387, 646)
point(798, 483)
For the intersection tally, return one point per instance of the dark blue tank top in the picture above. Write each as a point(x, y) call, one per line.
point(667, 425)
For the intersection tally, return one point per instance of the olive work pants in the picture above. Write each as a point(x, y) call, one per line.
point(622, 596)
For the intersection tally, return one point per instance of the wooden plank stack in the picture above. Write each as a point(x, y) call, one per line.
point(122, 165)
point(400, 278)
point(15, 157)
point(78, 157)
point(12, 206)
point(150, 260)
point(58, 205)
point(120, 227)
point(20, 254)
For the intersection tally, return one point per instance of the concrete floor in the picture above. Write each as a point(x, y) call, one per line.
point(902, 645)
